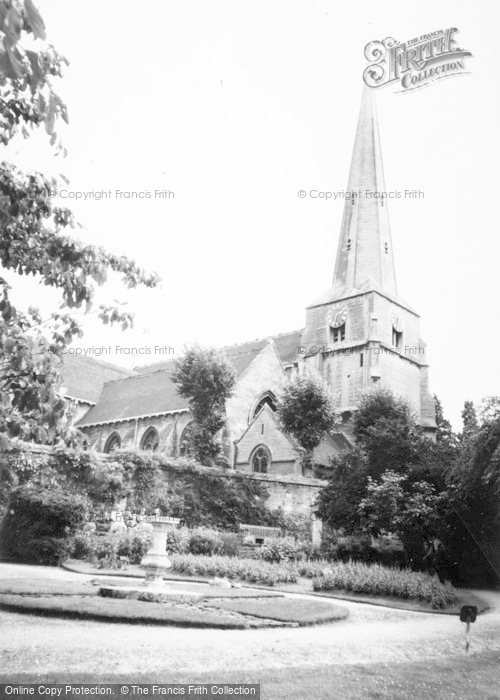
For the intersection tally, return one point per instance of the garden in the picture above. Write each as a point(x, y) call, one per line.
point(63, 508)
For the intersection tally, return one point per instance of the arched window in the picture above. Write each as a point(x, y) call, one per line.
point(186, 441)
point(260, 460)
point(268, 398)
point(112, 443)
point(150, 440)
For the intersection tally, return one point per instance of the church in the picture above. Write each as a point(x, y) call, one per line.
point(358, 334)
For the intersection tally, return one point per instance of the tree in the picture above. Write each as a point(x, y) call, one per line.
point(306, 410)
point(444, 433)
point(385, 427)
point(408, 509)
point(383, 503)
point(35, 241)
point(205, 377)
point(490, 408)
point(338, 502)
point(469, 421)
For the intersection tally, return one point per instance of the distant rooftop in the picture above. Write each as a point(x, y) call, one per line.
point(84, 377)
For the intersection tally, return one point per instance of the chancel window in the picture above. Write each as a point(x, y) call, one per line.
point(260, 460)
point(112, 443)
point(150, 440)
point(338, 334)
point(268, 399)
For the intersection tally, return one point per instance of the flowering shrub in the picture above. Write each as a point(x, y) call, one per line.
point(231, 567)
point(379, 580)
point(279, 549)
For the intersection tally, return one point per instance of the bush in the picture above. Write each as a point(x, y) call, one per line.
point(205, 542)
point(39, 523)
point(178, 540)
point(114, 550)
point(232, 567)
point(279, 549)
point(379, 580)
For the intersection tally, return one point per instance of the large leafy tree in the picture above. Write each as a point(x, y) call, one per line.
point(207, 378)
point(338, 502)
point(306, 410)
point(385, 427)
point(471, 510)
point(36, 240)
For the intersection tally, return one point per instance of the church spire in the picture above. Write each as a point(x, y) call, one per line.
point(364, 255)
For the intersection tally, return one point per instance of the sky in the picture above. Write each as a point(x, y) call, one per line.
point(235, 106)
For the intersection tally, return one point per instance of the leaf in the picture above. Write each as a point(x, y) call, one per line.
point(37, 75)
point(35, 20)
point(13, 23)
point(11, 64)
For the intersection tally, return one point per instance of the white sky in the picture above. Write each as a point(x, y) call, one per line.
point(235, 106)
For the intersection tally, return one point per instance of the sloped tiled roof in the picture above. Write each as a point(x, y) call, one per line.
point(241, 355)
point(150, 391)
point(84, 377)
point(287, 345)
point(148, 394)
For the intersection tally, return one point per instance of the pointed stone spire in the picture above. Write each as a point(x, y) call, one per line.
point(364, 255)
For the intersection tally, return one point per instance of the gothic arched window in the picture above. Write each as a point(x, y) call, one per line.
point(150, 440)
point(186, 441)
point(112, 443)
point(260, 460)
point(268, 398)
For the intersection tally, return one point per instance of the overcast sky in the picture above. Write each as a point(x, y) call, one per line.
point(234, 107)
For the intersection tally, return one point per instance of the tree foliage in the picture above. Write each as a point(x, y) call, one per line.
point(385, 427)
point(207, 378)
point(36, 241)
point(306, 410)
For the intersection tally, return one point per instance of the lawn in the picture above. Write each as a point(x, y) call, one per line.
point(454, 678)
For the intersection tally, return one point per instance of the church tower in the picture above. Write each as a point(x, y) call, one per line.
point(360, 333)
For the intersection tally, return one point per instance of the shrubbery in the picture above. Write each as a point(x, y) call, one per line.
point(232, 567)
point(280, 549)
point(115, 549)
point(38, 524)
point(379, 580)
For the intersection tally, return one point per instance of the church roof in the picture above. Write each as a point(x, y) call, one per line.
point(242, 354)
point(84, 377)
point(151, 391)
point(148, 394)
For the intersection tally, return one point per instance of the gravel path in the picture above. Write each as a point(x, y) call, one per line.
point(371, 634)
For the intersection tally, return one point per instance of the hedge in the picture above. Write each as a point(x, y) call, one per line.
point(38, 524)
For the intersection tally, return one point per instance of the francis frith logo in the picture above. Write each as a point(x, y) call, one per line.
point(416, 62)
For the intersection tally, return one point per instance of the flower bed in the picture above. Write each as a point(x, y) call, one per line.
point(379, 580)
point(250, 570)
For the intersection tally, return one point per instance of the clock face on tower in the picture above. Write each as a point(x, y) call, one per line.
point(337, 316)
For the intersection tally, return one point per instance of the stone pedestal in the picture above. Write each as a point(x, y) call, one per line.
point(156, 562)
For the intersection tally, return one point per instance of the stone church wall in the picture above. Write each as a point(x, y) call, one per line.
point(131, 432)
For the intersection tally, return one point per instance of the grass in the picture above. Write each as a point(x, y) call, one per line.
point(376, 579)
point(130, 611)
point(304, 612)
point(458, 678)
